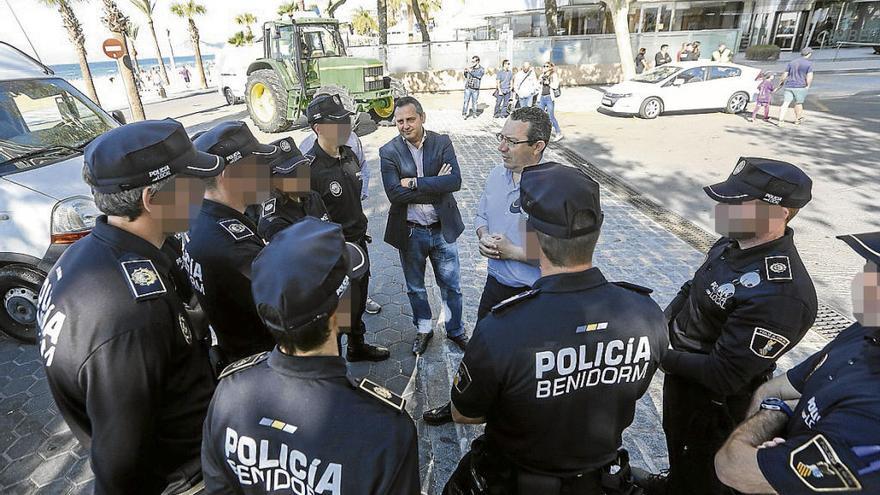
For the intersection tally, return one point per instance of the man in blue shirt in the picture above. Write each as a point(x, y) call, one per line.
point(796, 82)
point(502, 89)
point(816, 428)
point(472, 77)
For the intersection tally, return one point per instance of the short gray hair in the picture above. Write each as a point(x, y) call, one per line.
point(124, 203)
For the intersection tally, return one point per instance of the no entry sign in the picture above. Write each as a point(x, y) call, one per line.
point(113, 48)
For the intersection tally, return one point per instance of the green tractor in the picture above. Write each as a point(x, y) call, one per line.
point(303, 55)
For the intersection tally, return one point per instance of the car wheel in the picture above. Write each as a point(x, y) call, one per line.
point(230, 97)
point(651, 108)
point(737, 103)
point(19, 290)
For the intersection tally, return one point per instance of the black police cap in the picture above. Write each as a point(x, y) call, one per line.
point(142, 153)
point(561, 201)
point(772, 181)
point(867, 245)
point(289, 160)
point(327, 109)
point(233, 140)
point(299, 277)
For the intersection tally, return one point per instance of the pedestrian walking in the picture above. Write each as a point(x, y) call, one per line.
point(420, 172)
point(764, 96)
point(184, 72)
point(503, 82)
point(722, 54)
point(795, 83)
point(525, 85)
point(549, 92)
point(291, 420)
point(815, 429)
point(662, 57)
point(532, 371)
point(472, 76)
point(684, 53)
point(640, 61)
point(749, 303)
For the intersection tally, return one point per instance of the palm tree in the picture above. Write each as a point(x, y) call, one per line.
point(117, 23)
point(423, 26)
point(187, 11)
point(363, 22)
point(288, 8)
point(75, 33)
point(132, 31)
point(246, 19)
point(241, 38)
point(382, 12)
point(147, 7)
point(332, 6)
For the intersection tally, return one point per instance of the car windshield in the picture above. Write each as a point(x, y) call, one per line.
point(43, 121)
point(321, 40)
point(656, 75)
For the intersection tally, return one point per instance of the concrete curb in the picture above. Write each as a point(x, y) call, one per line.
point(848, 71)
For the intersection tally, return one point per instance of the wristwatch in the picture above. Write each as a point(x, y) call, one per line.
point(776, 404)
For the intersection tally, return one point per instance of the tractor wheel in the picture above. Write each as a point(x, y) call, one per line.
point(267, 101)
point(383, 110)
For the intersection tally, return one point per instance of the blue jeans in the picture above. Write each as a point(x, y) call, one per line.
point(501, 104)
point(525, 101)
point(428, 243)
point(547, 104)
point(470, 99)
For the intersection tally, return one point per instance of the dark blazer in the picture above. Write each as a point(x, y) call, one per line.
point(397, 163)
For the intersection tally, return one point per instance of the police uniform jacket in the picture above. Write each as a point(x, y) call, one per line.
point(284, 424)
point(282, 211)
point(833, 440)
point(338, 181)
point(221, 245)
point(743, 309)
point(128, 376)
point(556, 371)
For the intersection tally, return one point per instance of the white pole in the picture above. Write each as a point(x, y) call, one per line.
point(170, 46)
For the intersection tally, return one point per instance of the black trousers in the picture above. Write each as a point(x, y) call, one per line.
point(697, 423)
point(359, 291)
point(493, 293)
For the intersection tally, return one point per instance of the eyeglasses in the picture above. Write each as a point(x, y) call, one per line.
point(510, 142)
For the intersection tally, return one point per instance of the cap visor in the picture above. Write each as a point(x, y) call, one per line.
point(725, 192)
point(867, 245)
point(265, 150)
point(358, 262)
point(289, 166)
point(203, 165)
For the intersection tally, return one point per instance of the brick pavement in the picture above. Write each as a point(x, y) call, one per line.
point(38, 453)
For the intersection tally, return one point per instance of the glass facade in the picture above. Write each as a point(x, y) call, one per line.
point(860, 23)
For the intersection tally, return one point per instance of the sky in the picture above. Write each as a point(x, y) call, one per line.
point(43, 24)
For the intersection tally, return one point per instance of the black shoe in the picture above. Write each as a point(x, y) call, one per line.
point(421, 342)
point(439, 415)
point(358, 350)
point(460, 340)
point(465, 116)
point(653, 484)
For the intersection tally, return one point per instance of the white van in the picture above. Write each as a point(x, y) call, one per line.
point(44, 204)
point(232, 64)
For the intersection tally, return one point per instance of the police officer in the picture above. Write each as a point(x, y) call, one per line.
point(282, 421)
point(750, 302)
point(816, 429)
point(128, 374)
point(292, 198)
point(336, 176)
point(555, 372)
point(222, 242)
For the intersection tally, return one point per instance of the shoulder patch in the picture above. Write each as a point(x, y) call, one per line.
point(143, 279)
point(383, 394)
point(242, 364)
point(778, 268)
point(635, 288)
point(268, 207)
point(510, 301)
point(236, 229)
point(462, 379)
point(819, 467)
point(767, 344)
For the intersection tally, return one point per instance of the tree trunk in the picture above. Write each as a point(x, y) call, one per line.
point(74, 32)
point(550, 11)
point(382, 13)
point(87, 74)
point(134, 97)
point(194, 34)
point(331, 9)
point(165, 80)
point(620, 15)
point(423, 26)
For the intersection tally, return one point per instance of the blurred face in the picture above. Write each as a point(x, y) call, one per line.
point(297, 184)
point(518, 156)
point(177, 202)
point(866, 296)
point(749, 219)
point(409, 122)
point(336, 132)
point(247, 179)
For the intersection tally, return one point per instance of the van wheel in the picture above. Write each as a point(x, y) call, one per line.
point(230, 98)
point(19, 290)
point(651, 108)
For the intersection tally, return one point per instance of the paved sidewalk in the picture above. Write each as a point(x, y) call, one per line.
point(38, 454)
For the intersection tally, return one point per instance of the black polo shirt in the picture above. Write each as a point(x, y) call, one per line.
point(558, 371)
point(283, 210)
point(338, 181)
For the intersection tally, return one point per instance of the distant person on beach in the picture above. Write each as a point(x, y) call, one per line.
point(185, 74)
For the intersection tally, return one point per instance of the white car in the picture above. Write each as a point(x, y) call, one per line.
point(232, 63)
point(44, 203)
point(684, 86)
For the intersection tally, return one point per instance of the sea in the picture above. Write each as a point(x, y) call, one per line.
point(107, 68)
